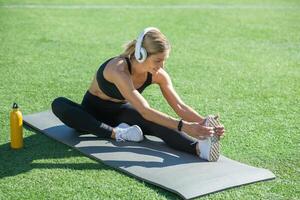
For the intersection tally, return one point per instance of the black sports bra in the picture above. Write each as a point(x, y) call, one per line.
point(110, 89)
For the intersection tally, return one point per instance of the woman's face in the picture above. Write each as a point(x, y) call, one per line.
point(156, 61)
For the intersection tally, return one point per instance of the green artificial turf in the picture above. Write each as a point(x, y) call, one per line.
point(240, 59)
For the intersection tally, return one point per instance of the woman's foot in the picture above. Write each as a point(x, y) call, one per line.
point(124, 132)
point(209, 149)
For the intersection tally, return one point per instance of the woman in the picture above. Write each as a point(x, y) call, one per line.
point(113, 106)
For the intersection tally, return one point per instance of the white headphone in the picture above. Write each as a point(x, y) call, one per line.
point(140, 52)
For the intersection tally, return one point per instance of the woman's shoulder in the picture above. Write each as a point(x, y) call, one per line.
point(116, 67)
point(160, 77)
point(117, 64)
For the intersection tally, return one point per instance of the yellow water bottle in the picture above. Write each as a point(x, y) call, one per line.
point(16, 128)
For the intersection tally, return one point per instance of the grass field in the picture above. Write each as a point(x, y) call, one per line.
point(240, 59)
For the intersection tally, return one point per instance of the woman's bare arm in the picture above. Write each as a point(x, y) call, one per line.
point(125, 85)
point(182, 110)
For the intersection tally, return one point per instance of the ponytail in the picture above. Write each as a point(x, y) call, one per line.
point(129, 49)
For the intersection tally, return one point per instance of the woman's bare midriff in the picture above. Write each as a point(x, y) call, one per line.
point(96, 91)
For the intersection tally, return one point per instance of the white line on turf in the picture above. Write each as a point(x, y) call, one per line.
point(132, 6)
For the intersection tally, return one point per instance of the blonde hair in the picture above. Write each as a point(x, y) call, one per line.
point(154, 42)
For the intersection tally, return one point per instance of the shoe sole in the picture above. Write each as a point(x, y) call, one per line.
point(214, 153)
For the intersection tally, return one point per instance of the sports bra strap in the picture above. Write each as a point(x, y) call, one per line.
point(129, 64)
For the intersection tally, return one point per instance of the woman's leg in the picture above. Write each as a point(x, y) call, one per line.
point(77, 117)
point(173, 138)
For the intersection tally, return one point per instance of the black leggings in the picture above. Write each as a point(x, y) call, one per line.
point(97, 116)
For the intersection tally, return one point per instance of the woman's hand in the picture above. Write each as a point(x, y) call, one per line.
point(219, 130)
point(218, 127)
point(198, 130)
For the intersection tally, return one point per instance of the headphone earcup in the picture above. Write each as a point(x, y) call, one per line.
point(143, 55)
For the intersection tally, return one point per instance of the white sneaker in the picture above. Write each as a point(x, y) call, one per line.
point(210, 147)
point(124, 132)
point(123, 125)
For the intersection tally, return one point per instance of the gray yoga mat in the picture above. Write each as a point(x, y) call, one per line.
point(154, 162)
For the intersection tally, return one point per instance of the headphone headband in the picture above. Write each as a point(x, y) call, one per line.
point(140, 52)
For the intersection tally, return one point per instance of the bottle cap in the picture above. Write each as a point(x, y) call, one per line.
point(15, 105)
